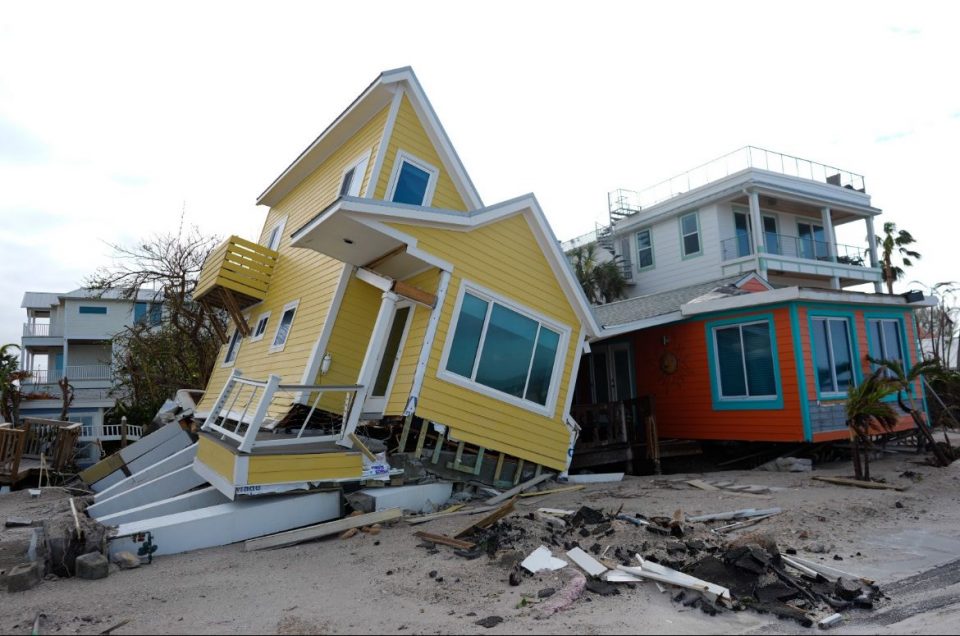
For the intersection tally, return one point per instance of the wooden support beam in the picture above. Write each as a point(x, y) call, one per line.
point(230, 303)
point(841, 481)
point(519, 473)
point(415, 294)
point(362, 447)
point(518, 489)
point(215, 322)
point(443, 539)
point(496, 473)
point(424, 425)
point(383, 258)
point(407, 421)
point(436, 451)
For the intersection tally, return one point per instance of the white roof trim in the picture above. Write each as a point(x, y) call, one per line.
point(385, 211)
point(784, 294)
point(385, 84)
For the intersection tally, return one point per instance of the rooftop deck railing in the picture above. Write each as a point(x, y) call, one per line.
point(797, 247)
point(623, 202)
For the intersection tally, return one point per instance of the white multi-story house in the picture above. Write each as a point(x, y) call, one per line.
point(71, 335)
point(752, 210)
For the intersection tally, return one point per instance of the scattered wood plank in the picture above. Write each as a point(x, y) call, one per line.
point(292, 537)
point(110, 629)
point(663, 574)
point(826, 570)
point(362, 447)
point(447, 513)
point(702, 485)
point(516, 490)
point(550, 491)
point(741, 524)
point(557, 512)
point(443, 539)
point(843, 481)
point(490, 519)
point(586, 562)
point(747, 513)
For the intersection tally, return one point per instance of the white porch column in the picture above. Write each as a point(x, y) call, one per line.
point(831, 237)
point(874, 259)
point(369, 367)
point(65, 359)
point(756, 227)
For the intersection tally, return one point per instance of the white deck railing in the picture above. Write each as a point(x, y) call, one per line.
point(109, 432)
point(74, 373)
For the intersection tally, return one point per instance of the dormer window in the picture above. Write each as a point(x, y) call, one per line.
point(413, 181)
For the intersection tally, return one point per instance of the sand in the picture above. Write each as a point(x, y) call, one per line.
point(382, 584)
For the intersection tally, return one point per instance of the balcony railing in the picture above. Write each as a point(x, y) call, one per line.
point(623, 203)
point(240, 266)
point(796, 247)
point(74, 373)
point(39, 330)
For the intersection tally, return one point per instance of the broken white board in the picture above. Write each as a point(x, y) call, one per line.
point(225, 523)
point(163, 467)
point(586, 562)
point(599, 478)
point(542, 559)
point(202, 498)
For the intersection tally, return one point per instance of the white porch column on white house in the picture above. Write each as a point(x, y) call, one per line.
point(756, 226)
point(874, 259)
point(831, 237)
point(369, 367)
point(66, 361)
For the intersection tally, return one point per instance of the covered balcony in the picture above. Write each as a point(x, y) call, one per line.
point(235, 276)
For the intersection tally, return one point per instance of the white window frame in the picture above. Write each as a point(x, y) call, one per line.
point(488, 295)
point(653, 258)
point(278, 228)
point(265, 316)
point(403, 156)
point(359, 167)
point(832, 352)
point(226, 354)
point(743, 360)
point(274, 347)
point(683, 246)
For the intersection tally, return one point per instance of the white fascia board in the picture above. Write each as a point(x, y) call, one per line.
point(637, 325)
point(799, 293)
point(737, 302)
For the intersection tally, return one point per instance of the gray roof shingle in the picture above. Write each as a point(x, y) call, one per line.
point(652, 305)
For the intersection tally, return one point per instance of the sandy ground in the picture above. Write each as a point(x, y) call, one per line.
point(381, 584)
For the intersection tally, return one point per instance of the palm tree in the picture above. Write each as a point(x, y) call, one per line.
point(865, 406)
point(10, 379)
point(903, 381)
point(895, 241)
point(602, 282)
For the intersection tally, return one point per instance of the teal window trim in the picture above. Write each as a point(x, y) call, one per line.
point(653, 258)
point(683, 252)
point(851, 318)
point(801, 373)
point(899, 318)
point(721, 403)
point(87, 309)
point(923, 389)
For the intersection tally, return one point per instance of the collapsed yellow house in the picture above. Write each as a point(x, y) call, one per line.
point(383, 290)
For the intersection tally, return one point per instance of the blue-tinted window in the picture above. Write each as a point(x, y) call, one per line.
point(541, 371)
point(233, 348)
point(885, 340)
point(745, 361)
point(517, 355)
point(92, 310)
point(505, 358)
point(411, 185)
point(143, 312)
point(283, 329)
point(834, 357)
point(466, 338)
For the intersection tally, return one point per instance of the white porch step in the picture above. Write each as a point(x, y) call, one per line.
point(193, 500)
point(169, 485)
point(226, 523)
point(159, 469)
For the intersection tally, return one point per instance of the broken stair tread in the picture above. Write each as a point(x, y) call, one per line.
point(843, 481)
point(292, 537)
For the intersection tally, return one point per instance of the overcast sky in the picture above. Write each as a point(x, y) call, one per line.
point(114, 117)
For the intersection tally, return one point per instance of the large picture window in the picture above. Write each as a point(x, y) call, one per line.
point(505, 349)
point(745, 361)
point(833, 355)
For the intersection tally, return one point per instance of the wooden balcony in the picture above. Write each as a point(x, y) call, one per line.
point(235, 276)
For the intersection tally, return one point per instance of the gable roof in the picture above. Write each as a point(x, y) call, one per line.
point(375, 212)
point(370, 102)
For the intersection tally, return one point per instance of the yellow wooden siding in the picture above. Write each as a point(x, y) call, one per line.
point(216, 457)
point(279, 469)
point(299, 274)
point(408, 135)
point(349, 339)
point(407, 366)
point(503, 257)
